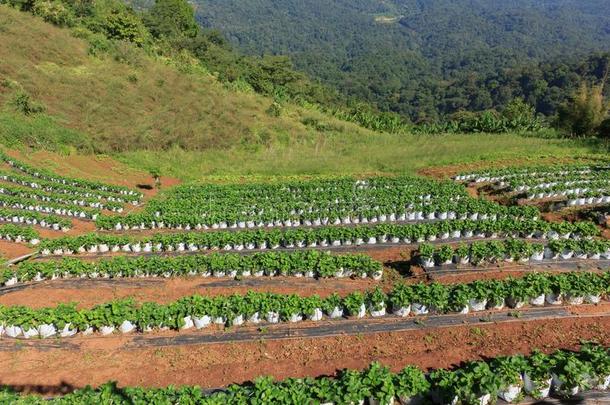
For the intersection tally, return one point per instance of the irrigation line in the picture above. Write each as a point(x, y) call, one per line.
point(550, 265)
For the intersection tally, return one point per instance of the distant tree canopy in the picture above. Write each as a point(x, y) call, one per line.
point(436, 57)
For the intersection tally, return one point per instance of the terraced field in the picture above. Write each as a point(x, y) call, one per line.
point(380, 290)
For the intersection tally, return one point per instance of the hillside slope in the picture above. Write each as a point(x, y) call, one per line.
point(125, 100)
point(149, 114)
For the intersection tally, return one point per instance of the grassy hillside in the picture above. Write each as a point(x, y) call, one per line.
point(133, 103)
point(149, 114)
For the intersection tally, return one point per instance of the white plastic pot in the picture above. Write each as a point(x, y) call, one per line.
point(13, 331)
point(316, 315)
point(419, 309)
point(575, 300)
point(477, 305)
point(428, 263)
point(403, 311)
point(273, 317)
point(373, 401)
point(560, 387)
point(201, 322)
point(515, 304)
point(538, 301)
point(603, 383)
point(592, 299)
point(127, 327)
point(376, 313)
point(47, 330)
point(295, 318)
point(498, 306)
point(554, 299)
point(510, 393)
point(336, 313)
point(30, 333)
point(188, 323)
point(238, 320)
point(106, 330)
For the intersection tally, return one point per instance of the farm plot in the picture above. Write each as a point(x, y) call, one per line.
point(27, 189)
point(277, 261)
point(306, 203)
point(566, 186)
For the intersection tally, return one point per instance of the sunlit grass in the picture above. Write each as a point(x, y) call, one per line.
point(341, 154)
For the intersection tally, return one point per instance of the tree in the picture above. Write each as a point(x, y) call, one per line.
point(518, 109)
point(584, 112)
point(172, 19)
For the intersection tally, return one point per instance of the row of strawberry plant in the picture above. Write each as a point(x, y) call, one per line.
point(315, 237)
point(19, 234)
point(531, 172)
point(34, 218)
point(534, 185)
point(599, 195)
point(45, 196)
point(297, 201)
point(254, 307)
point(53, 187)
point(48, 207)
point(480, 382)
point(436, 210)
point(52, 177)
point(298, 264)
point(512, 250)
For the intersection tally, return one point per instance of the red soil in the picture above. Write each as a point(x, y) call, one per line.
point(11, 250)
point(88, 293)
point(444, 172)
point(93, 360)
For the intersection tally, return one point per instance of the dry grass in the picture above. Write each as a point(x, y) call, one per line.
point(144, 105)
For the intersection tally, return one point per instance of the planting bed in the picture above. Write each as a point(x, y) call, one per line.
point(90, 292)
point(253, 308)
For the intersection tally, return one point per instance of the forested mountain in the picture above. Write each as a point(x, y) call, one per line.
point(427, 58)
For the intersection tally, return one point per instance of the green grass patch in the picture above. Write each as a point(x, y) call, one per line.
point(345, 154)
point(40, 131)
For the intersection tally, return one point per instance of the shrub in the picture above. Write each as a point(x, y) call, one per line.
point(23, 103)
point(54, 12)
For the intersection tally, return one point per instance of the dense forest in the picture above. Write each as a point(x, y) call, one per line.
point(428, 59)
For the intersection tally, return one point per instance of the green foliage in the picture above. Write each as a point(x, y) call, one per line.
point(604, 129)
point(122, 25)
point(39, 131)
point(54, 11)
point(171, 19)
point(584, 113)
